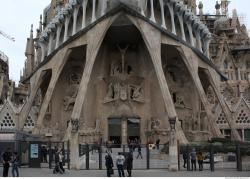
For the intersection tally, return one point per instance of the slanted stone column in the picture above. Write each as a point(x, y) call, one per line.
point(198, 39)
point(163, 21)
point(84, 8)
point(152, 17)
point(51, 38)
point(190, 31)
point(206, 43)
point(93, 19)
point(183, 36)
point(171, 10)
point(58, 33)
point(43, 49)
point(75, 13)
point(66, 28)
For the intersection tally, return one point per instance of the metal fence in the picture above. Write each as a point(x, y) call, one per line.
point(92, 156)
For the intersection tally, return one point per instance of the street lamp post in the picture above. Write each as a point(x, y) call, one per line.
point(173, 150)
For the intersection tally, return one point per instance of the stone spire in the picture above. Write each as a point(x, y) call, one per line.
point(224, 7)
point(30, 52)
point(217, 7)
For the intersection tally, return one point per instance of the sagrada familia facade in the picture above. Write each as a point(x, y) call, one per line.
point(119, 70)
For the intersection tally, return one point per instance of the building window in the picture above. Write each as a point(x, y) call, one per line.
point(247, 134)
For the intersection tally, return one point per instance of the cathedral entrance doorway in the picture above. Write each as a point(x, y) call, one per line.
point(122, 130)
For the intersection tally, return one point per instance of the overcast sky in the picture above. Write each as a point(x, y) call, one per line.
point(16, 17)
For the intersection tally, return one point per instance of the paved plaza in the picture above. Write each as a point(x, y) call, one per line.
point(45, 172)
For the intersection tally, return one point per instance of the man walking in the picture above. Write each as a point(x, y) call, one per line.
point(157, 144)
point(6, 162)
point(120, 163)
point(184, 155)
point(109, 165)
point(139, 151)
point(15, 163)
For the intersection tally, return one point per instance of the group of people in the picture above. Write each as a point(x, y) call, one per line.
point(194, 157)
point(121, 164)
point(12, 159)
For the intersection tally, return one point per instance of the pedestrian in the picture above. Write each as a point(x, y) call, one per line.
point(129, 163)
point(109, 165)
point(200, 159)
point(157, 144)
point(15, 164)
point(109, 146)
point(184, 155)
point(57, 165)
point(120, 159)
point(61, 159)
point(193, 159)
point(139, 151)
point(6, 162)
point(44, 154)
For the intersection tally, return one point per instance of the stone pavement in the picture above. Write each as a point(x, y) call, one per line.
point(45, 172)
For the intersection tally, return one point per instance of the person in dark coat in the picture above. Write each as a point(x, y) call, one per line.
point(139, 151)
point(157, 144)
point(15, 164)
point(129, 163)
point(184, 155)
point(6, 162)
point(109, 164)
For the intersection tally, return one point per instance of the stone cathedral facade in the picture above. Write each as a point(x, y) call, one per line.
point(119, 70)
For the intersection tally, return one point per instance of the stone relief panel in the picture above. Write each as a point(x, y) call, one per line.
point(229, 95)
point(7, 122)
point(246, 95)
point(74, 79)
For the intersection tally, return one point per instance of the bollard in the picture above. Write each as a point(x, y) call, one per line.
point(188, 158)
point(68, 154)
point(87, 156)
point(238, 158)
point(148, 155)
point(100, 157)
point(50, 156)
point(211, 158)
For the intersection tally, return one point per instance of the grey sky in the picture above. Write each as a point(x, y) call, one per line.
point(16, 16)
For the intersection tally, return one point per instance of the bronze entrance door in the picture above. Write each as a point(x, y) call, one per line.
point(133, 129)
point(114, 131)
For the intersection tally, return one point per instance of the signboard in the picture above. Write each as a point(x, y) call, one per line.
point(34, 150)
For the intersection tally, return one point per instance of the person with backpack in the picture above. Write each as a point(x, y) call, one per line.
point(129, 163)
point(109, 165)
point(6, 162)
point(120, 159)
point(15, 164)
point(193, 159)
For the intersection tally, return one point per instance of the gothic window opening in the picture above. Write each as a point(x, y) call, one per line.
point(7, 122)
point(29, 123)
point(222, 119)
point(242, 118)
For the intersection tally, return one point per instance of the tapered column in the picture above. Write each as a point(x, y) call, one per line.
point(142, 8)
point(58, 33)
point(75, 13)
point(43, 49)
point(51, 37)
point(171, 10)
point(152, 39)
point(55, 75)
point(66, 28)
point(190, 31)
point(198, 40)
point(152, 18)
point(206, 47)
point(185, 53)
point(183, 36)
point(93, 11)
point(163, 21)
point(27, 107)
point(230, 118)
point(84, 8)
point(104, 7)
